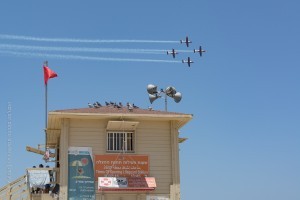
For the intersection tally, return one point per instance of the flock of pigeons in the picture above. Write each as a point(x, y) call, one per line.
point(112, 104)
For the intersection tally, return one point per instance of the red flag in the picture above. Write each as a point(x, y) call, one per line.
point(48, 73)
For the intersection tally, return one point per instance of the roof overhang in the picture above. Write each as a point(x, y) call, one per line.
point(182, 140)
point(54, 118)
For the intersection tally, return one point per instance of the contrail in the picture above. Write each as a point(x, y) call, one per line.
point(81, 49)
point(75, 57)
point(40, 39)
point(84, 49)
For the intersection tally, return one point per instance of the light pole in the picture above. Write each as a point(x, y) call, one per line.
point(169, 92)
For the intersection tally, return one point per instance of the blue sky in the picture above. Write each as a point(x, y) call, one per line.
point(244, 92)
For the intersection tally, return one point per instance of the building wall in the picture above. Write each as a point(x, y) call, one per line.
point(153, 138)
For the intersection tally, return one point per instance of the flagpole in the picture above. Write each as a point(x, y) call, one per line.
point(46, 117)
point(46, 108)
point(48, 73)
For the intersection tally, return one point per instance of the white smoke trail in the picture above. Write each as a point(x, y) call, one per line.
point(81, 49)
point(40, 39)
point(84, 49)
point(75, 57)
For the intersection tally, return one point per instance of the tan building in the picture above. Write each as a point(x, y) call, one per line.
point(134, 147)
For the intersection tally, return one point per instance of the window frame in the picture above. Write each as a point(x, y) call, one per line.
point(114, 142)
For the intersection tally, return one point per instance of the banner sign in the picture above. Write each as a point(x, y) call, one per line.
point(38, 178)
point(126, 183)
point(81, 182)
point(116, 165)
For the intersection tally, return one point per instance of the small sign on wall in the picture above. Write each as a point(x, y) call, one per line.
point(157, 197)
point(112, 182)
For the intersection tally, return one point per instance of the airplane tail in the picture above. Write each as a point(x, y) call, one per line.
point(194, 50)
point(167, 53)
point(182, 61)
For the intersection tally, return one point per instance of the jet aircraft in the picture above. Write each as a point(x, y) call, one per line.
point(186, 41)
point(200, 50)
point(173, 52)
point(188, 61)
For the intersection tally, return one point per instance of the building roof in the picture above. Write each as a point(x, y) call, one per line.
point(115, 110)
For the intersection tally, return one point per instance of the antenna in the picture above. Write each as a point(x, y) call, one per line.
point(169, 92)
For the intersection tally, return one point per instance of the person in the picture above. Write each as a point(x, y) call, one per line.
point(55, 191)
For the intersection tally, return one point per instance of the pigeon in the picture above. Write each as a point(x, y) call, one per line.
point(96, 105)
point(134, 106)
point(129, 106)
point(90, 105)
point(99, 104)
point(106, 103)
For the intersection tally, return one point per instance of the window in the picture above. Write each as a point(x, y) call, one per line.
point(120, 141)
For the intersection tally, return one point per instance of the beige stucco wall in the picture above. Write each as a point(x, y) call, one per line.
point(153, 138)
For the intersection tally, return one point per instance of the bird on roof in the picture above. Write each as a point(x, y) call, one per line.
point(96, 105)
point(120, 104)
point(134, 106)
point(106, 103)
point(129, 106)
point(99, 104)
point(90, 105)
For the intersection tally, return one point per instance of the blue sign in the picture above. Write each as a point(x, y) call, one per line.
point(81, 179)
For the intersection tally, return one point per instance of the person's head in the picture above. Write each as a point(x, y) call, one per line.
point(41, 166)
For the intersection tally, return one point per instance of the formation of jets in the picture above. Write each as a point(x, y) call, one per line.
point(186, 41)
